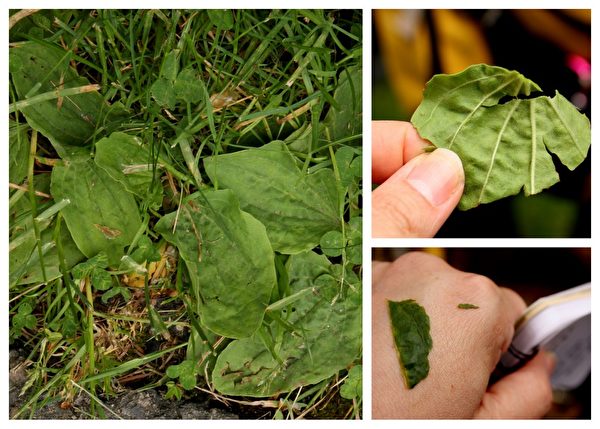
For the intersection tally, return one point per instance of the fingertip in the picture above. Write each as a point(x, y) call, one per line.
point(394, 143)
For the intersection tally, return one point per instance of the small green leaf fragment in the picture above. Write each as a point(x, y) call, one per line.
point(467, 306)
point(410, 329)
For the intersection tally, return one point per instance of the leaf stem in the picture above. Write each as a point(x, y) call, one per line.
point(51, 95)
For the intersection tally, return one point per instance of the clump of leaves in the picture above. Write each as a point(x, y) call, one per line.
point(233, 136)
point(503, 136)
point(410, 329)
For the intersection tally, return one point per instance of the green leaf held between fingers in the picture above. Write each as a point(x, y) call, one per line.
point(296, 208)
point(504, 146)
point(229, 259)
point(410, 329)
point(102, 215)
point(325, 338)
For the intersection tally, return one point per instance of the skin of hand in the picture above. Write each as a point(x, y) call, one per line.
point(467, 345)
point(418, 190)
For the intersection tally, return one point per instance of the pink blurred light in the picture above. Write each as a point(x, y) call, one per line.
point(580, 66)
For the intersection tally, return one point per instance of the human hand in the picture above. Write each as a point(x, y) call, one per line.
point(417, 191)
point(467, 345)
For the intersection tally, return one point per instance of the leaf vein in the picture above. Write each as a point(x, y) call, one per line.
point(472, 112)
point(498, 140)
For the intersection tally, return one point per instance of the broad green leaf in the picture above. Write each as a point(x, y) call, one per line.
point(221, 18)
point(102, 215)
point(296, 208)
point(229, 258)
point(67, 122)
point(18, 151)
point(345, 119)
point(504, 146)
point(410, 329)
point(326, 337)
point(125, 159)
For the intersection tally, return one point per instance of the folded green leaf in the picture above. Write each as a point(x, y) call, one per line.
point(102, 215)
point(229, 258)
point(296, 208)
point(410, 329)
point(325, 337)
point(503, 146)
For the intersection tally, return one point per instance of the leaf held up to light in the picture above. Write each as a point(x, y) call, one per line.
point(504, 146)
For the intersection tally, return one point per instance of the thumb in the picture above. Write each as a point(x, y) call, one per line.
point(417, 199)
point(524, 394)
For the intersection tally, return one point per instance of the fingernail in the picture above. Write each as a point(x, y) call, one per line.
point(437, 176)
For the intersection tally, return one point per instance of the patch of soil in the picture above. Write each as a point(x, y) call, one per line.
point(139, 405)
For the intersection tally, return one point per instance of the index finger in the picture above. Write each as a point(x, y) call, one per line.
point(394, 144)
